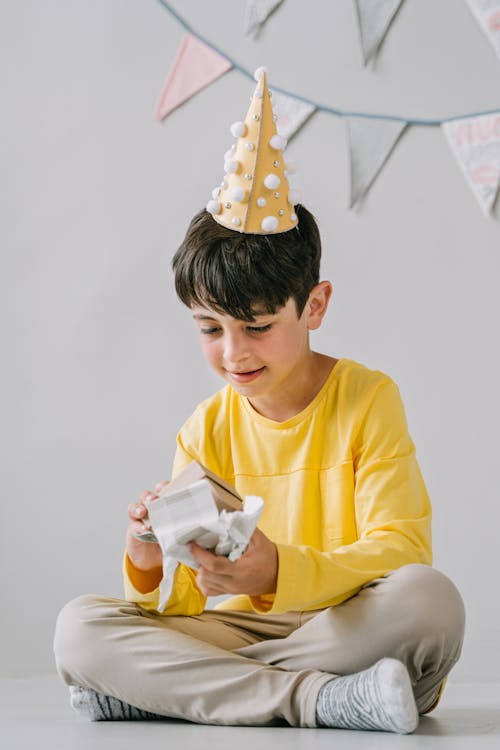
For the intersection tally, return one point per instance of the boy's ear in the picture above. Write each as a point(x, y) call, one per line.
point(317, 304)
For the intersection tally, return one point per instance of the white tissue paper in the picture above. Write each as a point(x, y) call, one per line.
point(191, 514)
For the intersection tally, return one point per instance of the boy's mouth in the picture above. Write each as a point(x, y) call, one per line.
point(245, 377)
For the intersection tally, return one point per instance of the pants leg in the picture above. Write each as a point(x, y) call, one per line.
point(243, 668)
point(414, 614)
point(182, 667)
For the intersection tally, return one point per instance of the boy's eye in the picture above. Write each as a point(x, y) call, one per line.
point(212, 330)
point(259, 329)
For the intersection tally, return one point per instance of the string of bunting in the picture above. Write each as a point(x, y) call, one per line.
point(473, 138)
point(374, 18)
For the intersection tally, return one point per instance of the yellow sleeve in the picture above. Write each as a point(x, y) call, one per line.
point(186, 598)
point(392, 511)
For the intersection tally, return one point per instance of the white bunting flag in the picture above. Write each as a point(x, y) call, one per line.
point(291, 113)
point(370, 143)
point(256, 14)
point(475, 144)
point(487, 14)
point(374, 19)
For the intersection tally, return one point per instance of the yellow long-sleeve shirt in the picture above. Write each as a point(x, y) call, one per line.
point(344, 498)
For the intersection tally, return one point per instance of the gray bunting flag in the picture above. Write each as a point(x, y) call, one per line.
point(374, 19)
point(370, 143)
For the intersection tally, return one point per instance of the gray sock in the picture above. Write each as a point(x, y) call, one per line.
point(379, 698)
point(97, 707)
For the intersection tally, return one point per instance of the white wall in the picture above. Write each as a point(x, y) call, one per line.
point(101, 365)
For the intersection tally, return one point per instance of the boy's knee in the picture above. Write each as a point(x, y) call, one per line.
point(76, 637)
point(432, 601)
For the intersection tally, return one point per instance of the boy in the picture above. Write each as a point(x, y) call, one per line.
point(335, 618)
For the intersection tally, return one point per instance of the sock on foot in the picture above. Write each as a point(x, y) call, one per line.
point(97, 707)
point(379, 698)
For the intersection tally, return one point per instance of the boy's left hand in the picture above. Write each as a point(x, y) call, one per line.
point(254, 573)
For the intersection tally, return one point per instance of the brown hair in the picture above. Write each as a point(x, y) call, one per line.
point(237, 273)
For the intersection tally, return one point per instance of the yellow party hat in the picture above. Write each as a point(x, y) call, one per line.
point(254, 196)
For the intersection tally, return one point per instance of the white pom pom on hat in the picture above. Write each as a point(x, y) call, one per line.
point(278, 142)
point(272, 181)
point(269, 223)
point(238, 129)
point(231, 166)
point(213, 207)
point(238, 194)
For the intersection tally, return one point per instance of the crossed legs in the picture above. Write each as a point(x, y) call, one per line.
point(240, 668)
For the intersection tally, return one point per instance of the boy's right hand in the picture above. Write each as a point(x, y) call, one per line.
point(143, 555)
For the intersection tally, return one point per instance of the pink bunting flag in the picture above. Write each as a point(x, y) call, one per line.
point(196, 66)
point(475, 144)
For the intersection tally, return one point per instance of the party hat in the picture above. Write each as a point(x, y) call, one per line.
point(254, 196)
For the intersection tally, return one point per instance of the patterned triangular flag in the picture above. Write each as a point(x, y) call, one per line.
point(291, 113)
point(487, 14)
point(256, 14)
point(475, 144)
point(370, 143)
point(195, 66)
point(374, 19)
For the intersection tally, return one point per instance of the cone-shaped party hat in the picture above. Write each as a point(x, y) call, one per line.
point(254, 196)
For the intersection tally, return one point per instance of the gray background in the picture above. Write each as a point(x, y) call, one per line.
point(101, 363)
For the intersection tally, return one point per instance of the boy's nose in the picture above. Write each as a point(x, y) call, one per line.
point(235, 351)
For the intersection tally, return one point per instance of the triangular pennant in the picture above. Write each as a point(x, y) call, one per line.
point(475, 144)
point(291, 114)
point(374, 19)
point(256, 14)
point(487, 14)
point(195, 66)
point(370, 143)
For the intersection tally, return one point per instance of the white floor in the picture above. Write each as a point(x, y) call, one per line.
point(35, 713)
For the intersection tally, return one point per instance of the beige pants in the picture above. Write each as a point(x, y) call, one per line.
point(241, 668)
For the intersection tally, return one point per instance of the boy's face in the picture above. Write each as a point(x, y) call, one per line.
point(263, 358)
